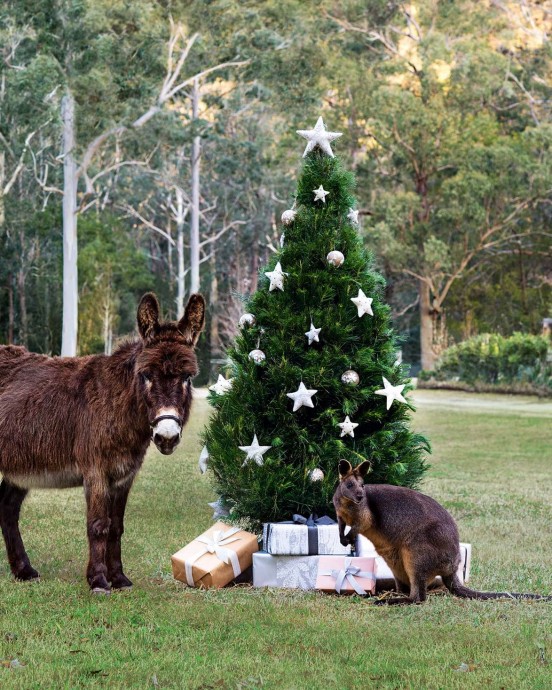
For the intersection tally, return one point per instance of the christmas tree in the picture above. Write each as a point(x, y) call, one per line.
point(315, 376)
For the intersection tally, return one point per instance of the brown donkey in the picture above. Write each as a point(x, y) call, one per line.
point(87, 421)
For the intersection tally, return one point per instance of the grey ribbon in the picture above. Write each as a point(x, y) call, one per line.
point(349, 573)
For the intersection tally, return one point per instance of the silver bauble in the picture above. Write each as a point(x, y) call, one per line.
point(335, 258)
point(288, 216)
point(247, 320)
point(350, 377)
point(258, 356)
point(316, 475)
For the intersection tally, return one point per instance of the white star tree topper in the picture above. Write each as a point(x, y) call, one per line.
point(222, 385)
point(347, 427)
point(320, 194)
point(363, 304)
point(320, 137)
point(276, 278)
point(254, 452)
point(312, 335)
point(391, 392)
point(302, 396)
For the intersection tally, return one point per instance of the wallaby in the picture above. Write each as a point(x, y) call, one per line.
point(415, 535)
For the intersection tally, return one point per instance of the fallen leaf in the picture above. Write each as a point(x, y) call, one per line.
point(155, 681)
point(466, 667)
point(11, 663)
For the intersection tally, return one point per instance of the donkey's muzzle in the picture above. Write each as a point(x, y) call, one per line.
point(166, 433)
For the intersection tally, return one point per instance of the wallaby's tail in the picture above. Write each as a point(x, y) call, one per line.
point(453, 584)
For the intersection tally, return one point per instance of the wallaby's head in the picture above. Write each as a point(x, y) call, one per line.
point(351, 481)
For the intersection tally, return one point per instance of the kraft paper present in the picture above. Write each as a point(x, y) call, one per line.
point(346, 575)
point(364, 547)
point(284, 572)
point(216, 557)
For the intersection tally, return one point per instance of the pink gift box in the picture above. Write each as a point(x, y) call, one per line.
point(346, 575)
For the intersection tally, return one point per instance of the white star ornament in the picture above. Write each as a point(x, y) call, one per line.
point(347, 427)
point(276, 278)
point(320, 137)
point(254, 452)
point(222, 385)
point(320, 194)
point(353, 216)
point(312, 335)
point(391, 392)
point(363, 304)
point(302, 396)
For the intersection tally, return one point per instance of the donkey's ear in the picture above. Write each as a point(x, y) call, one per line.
point(191, 324)
point(363, 468)
point(344, 468)
point(148, 315)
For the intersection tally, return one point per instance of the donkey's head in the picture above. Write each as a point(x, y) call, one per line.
point(166, 365)
point(351, 481)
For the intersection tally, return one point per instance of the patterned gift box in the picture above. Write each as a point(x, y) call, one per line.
point(346, 575)
point(216, 557)
point(284, 572)
point(303, 537)
point(364, 547)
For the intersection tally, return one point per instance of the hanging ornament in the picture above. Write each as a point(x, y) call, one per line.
point(335, 258)
point(320, 194)
point(320, 137)
point(247, 320)
point(316, 475)
point(203, 460)
point(258, 356)
point(363, 303)
point(289, 216)
point(219, 509)
point(276, 278)
point(254, 452)
point(391, 392)
point(302, 396)
point(222, 385)
point(347, 427)
point(312, 335)
point(350, 378)
point(353, 216)
point(282, 239)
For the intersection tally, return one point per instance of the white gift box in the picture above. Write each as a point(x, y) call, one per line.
point(289, 539)
point(285, 572)
point(364, 547)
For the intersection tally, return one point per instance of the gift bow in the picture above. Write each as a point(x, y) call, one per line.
point(349, 573)
point(312, 520)
point(216, 543)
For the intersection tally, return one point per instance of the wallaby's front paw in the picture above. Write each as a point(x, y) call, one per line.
point(344, 541)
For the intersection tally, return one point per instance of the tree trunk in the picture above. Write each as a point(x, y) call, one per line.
point(180, 253)
point(426, 328)
point(70, 273)
point(2, 182)
point(194, 228)
point(23, 318)
point(11, 311)
point(216, 350)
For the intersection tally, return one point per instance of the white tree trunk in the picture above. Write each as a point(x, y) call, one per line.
point(194, 227)
point(70, 274)
point(180, 215)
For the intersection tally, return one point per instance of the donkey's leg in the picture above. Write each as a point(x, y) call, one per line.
point(11, 498)
point(114, 564)
point(97, 524)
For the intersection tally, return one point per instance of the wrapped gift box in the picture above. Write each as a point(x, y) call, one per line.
point(303, 537)
point(216, 557)
point(364, 547)
point(285, 572)
point(346, 575)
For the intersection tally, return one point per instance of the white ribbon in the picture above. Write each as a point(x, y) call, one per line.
point(349, 573)
point(216, 543)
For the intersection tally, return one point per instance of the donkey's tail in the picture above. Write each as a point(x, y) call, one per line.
point(453, 584)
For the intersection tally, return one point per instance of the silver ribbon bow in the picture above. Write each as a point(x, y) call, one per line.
point(216, 543)
point(349, 573)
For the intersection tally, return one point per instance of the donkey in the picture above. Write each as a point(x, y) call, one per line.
point(88, 421)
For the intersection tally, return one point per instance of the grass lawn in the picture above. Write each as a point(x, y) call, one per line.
point(491, 468)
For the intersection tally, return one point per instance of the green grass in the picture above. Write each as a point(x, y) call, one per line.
point(491, 470)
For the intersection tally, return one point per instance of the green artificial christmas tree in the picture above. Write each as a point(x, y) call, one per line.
point(315, 375)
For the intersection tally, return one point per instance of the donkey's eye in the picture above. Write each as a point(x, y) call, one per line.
point(146, 380)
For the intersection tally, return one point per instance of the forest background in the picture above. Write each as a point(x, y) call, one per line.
point(151, 146)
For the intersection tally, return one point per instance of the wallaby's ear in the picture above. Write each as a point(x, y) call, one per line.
point(344, 468)
point(148, 315)
point(191, 324)
point(363, 468)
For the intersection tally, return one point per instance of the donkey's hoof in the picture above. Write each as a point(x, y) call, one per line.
point(100, 591)
point(27, 573)
point(121, 582)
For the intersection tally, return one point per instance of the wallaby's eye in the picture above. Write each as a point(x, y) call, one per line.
point(349, 485)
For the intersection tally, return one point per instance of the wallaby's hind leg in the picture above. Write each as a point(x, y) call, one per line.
point(11, 498)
